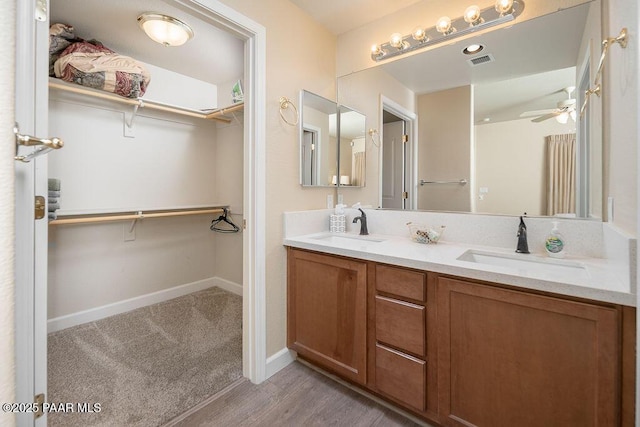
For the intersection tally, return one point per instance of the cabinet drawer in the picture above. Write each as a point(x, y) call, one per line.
point(401, 282)
point(400, 324)
point(401, 377)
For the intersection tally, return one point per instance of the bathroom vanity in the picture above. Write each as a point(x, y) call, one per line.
point(410, 324)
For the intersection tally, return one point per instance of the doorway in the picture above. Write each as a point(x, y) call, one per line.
point(31, 180)
point(398, 182)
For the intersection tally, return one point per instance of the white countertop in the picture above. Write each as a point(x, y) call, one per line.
point(600, 283)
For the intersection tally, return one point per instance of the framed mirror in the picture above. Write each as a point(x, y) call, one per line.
point(318, 141)
point(352, 157)
point(486, 124)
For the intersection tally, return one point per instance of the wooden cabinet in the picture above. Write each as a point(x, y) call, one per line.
point(398, 342)
point(461, 353)
point(327, 312)
point(509, 358)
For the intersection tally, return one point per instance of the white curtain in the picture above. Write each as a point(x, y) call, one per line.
point(561, 173)
point(358, 169)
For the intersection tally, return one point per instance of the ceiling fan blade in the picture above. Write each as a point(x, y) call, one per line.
point(547, 116)
point(533, 113)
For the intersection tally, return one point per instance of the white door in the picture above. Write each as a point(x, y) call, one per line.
point(31, 234)
point(393, 166)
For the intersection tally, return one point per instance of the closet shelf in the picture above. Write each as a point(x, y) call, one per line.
point(129, 216)
point(217, 114)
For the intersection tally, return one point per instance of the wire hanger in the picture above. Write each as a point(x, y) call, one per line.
point(224, 224)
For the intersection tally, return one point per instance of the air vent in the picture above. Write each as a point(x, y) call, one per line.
point(483, 59)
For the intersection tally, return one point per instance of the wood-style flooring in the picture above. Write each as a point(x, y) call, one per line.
point(295, 396)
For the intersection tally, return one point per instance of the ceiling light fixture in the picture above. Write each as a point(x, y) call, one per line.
point(474, 19)
point(163, 29)
point(472, 49)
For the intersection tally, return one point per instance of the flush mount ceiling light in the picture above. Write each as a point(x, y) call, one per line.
point(472, 49)
point(163, 29)
point(474, 19)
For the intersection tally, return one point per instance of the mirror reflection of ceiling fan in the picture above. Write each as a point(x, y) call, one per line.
point(565, 109)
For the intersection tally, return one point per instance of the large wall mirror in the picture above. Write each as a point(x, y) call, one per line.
point(332, 143)
point(498, 131)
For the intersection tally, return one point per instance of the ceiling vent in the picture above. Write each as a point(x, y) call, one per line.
point(483, 59)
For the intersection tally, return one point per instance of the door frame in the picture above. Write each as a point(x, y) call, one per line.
point(411, 120)
point(30, 275)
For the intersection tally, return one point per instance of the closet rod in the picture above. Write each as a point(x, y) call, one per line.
point(154, 105)
point(84, 219)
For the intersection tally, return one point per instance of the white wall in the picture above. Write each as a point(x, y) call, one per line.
point(171, 162)
point(229, 165)
point(7, 234)
point(510, 163)
point(620, 87)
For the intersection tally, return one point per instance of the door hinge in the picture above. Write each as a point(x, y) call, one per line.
point(41, 10)
point(405, 195)
point(39, 401)
point(405, 138)
point(244, 224)
point(39, 207)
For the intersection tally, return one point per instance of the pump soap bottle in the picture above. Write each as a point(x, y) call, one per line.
point(554, 243)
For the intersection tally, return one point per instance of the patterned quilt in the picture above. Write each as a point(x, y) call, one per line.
point(91, 64)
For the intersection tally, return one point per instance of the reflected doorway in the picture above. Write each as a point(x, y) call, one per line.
point(398, 184)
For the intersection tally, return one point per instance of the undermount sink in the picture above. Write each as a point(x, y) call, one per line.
point(548, 267)
point(347, 239)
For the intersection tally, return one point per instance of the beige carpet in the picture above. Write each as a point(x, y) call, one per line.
point(149, 365)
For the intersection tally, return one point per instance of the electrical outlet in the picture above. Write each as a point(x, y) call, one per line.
point(329, 201)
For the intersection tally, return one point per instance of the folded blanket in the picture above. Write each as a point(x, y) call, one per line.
point(54, 194)
point(52, 216)
point(60, 37)
point(54, 184)
point(91, 64)
point(52, 207)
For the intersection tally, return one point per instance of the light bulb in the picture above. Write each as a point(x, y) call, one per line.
point(472, 15)
point(472, 49)
point(504, 6)
point(563, 117)
point(376, 49)
point(396, 40)
point(443, 25)
point(419, 34)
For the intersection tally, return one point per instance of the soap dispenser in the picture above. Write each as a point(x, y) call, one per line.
point(554, 243)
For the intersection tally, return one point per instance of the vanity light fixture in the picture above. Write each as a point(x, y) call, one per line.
point(163, 29)
point(398, 42)
point(474, 19)
point(472, 16)
point(444, 26)
point(504, 7)
point(419, 35)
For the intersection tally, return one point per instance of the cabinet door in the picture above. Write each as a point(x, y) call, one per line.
point(327, 314)
point(508, 358)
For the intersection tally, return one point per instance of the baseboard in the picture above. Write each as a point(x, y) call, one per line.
point(228, 285)
point(97, 313)
point(278, 361)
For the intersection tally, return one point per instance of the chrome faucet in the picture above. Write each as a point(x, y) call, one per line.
point(363, 223)
point(523, 246)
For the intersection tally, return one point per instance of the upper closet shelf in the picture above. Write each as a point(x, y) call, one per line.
point(136, 103)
